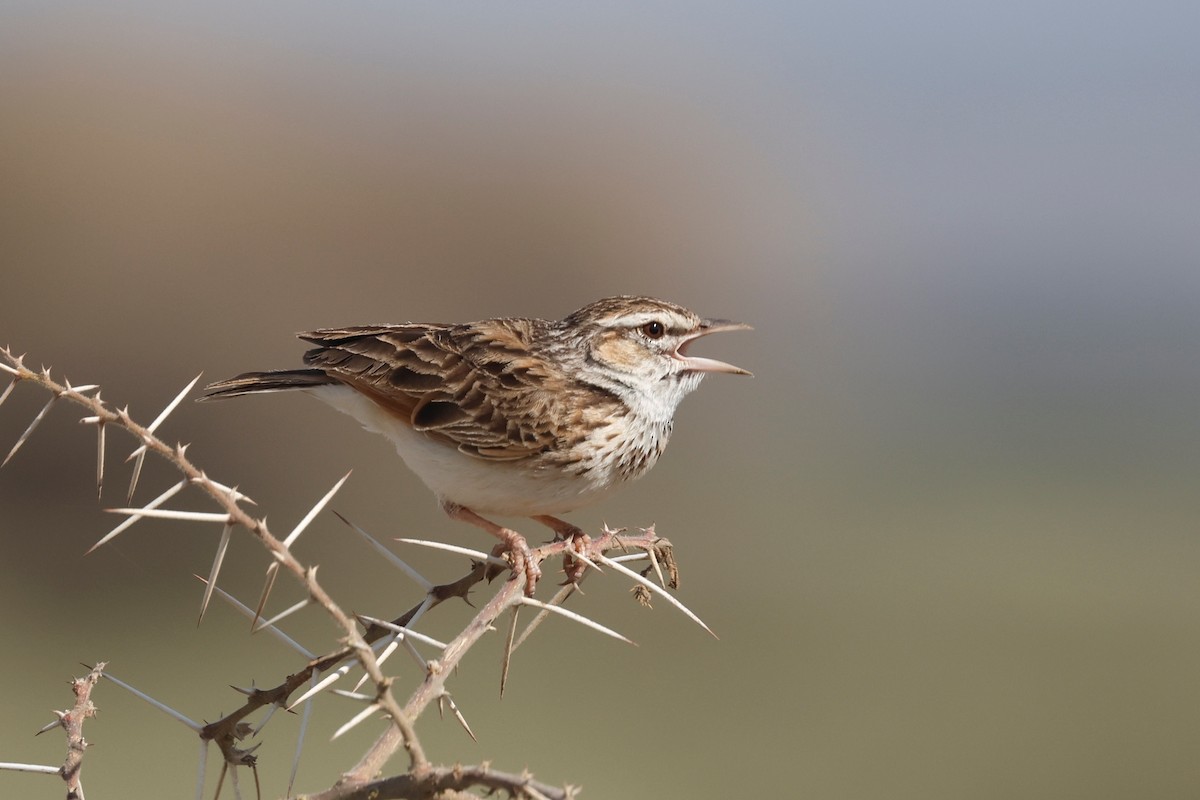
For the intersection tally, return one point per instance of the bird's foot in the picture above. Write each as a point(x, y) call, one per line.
point(516, 551)
point(512, 545)
point(578, 544)
point(576, 556)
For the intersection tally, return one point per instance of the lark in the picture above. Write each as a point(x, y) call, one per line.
point(513, 416)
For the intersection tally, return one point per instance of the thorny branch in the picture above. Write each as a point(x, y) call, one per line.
point(72, 722)
point(422, 779)
point(224, 735)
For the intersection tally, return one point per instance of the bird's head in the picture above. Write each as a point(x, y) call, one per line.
point(643, 343)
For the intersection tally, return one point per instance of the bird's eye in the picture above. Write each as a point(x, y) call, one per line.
point(654, 330)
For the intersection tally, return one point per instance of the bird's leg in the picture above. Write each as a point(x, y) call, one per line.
point(514, 543)
point(577, 541)
point(561, 527)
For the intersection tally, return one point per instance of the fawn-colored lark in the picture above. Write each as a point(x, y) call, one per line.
point(513, 416)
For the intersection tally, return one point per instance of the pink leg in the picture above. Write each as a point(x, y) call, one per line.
point(564, 529)
point(522, 557)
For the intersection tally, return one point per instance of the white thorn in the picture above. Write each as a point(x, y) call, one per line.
point(163, 707)
point(287, 612)
point(153, 426)
point(170, 513)
point(506, 658)
point(300, 739)
point(233, 779)
point(391, 557)
point(390, 644)
point(329, 679)
point(99, 459)
point(140, 453)
point(222, 546)
point(162, 498)
point(248, 613)
point(268, 585)
point(233, 493)
point(559, 598)
point(657, 569)
point(459, 715)
point(15, 767)
point(453, 548)
point(12, 385)
point(135, 476)
point(403, 631)
point(585, 560)
point(299, 529)
point(366, 713)
point(200, 772)
point(271, 709)
point(29, 431)
point(52, 724)
point(658, 590)
point(582, 620)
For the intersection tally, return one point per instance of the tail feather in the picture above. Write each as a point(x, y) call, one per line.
point(280, 380)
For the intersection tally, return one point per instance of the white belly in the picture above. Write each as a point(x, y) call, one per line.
point(510, 488)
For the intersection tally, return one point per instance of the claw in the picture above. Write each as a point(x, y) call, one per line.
point(512, 544)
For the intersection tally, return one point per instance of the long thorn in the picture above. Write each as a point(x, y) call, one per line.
point(391, 557)
point(458, 715)
point(366, 713)
point(172, 513)
point(248, 613)
point(404, 632)
point(328, 680)
point(12, 385)
point(390, 645)
point(312, 512)
point(287, 612)
point(304, 717)
point(222, 546)
point(233, 493)
point(162, 498)
point(151, 428)
point(582, 620)
point(135, 477)
point(163, 707)
point(15, 767)
point(453, 548)
point(201, 770)
point(32, 426)
point(506, 659)
point(272, 572)
point(99, 459)
point(559, 598)
point(657, 569)
point(656, 589)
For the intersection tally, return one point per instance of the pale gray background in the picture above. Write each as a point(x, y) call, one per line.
point(948, 534)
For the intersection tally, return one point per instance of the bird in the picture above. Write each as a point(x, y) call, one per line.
point(513, 416)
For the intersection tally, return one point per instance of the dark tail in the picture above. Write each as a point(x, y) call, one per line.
point(280, 380)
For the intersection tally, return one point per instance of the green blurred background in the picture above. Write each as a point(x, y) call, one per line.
point(948, 533)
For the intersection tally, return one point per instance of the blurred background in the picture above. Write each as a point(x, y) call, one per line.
point(947, 534)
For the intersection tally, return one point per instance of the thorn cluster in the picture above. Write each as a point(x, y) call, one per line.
point(367, 641)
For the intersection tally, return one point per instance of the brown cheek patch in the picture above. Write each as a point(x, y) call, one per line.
point(618, 351)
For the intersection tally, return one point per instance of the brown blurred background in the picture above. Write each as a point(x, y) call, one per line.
point(948, 533)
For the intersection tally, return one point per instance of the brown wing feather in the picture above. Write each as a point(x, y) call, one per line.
point(473, 386)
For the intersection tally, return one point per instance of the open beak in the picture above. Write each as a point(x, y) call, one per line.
point(697, 364)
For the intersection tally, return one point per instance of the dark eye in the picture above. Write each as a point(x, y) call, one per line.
point(654, 330)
